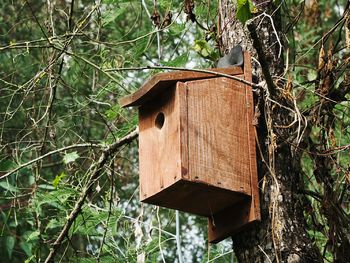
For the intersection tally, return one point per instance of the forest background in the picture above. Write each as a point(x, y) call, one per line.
point(69, 161)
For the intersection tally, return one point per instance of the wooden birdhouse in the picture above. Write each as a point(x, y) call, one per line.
point(197, 146)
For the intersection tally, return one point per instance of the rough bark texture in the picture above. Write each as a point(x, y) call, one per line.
point(281, 236)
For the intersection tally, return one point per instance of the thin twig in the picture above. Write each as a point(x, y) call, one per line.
point(157, 31)
point(73, 146)
point(264, 253)
point(274, 31)
point(219, 256)
point(96, 67)
point(160, 236)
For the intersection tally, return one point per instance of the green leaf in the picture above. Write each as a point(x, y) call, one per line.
point(177, 29)
point(28, 260)
point(244, 10)
point(33, 236)
point(9, 187)
point(139, 48)
point(27, 248)
point(58, 179)
point(54, 223)
point(124, 129)
point(202, 47)
point(311, 75)
point(70, 157)
point(177, 62)
point(10, 243)
point(6, 165)
point(111, 15)
point(113, 112)
point(46, 186)
point(87, 260)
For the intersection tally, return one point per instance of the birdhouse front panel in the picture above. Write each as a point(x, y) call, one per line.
point(160, 143)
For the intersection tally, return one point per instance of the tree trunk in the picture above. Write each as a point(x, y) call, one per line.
point(281, 235)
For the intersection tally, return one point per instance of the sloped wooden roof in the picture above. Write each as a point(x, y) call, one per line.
point(161, 81)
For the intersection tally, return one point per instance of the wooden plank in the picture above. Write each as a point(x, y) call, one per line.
point(159, 145)
point(217, 134)
point(164, 171)
point(194, 197)
point(161, 81)
point(255, 204)
point(229, 221)
point(165, 177)
point(181, 93)
point(236, 218)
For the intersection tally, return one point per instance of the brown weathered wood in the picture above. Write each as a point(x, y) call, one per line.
point(160, 81)
point(182, 93)
point(229, 221)
point(159, 148)
point(255, 204)
point(237, 217)
point(217, 134)
point(195, 197)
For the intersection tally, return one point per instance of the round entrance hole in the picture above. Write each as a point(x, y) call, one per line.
point(159, 121)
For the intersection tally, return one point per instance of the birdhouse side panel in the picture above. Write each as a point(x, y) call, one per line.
point(159, 143)
point(217, 134)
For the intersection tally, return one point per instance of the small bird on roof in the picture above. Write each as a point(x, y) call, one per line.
point(233, 58)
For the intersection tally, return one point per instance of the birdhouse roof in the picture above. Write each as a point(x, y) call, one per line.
point(162, 81)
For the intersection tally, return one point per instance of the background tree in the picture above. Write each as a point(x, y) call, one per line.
point(285, 130)
point(68, 160)
point(301, 109)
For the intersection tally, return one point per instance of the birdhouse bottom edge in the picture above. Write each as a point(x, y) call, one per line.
point(195, 198)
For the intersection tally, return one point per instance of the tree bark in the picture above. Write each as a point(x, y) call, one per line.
point(281, 235)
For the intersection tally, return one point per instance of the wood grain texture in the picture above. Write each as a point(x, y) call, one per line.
point(238, 217)
point(229, 221)
point(189, 163)
point(254, 213)
point(165, 176)
point(159, 148)
point(217, 134)
point(199, 161)
point(182, 92)
point(161, 81)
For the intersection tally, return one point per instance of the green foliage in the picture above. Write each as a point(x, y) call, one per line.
point(245, 10)
point(203, 48)
point(70, 157)
point(179, 61)
point(58, 178)
point(10, 243)
point(7, 186)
